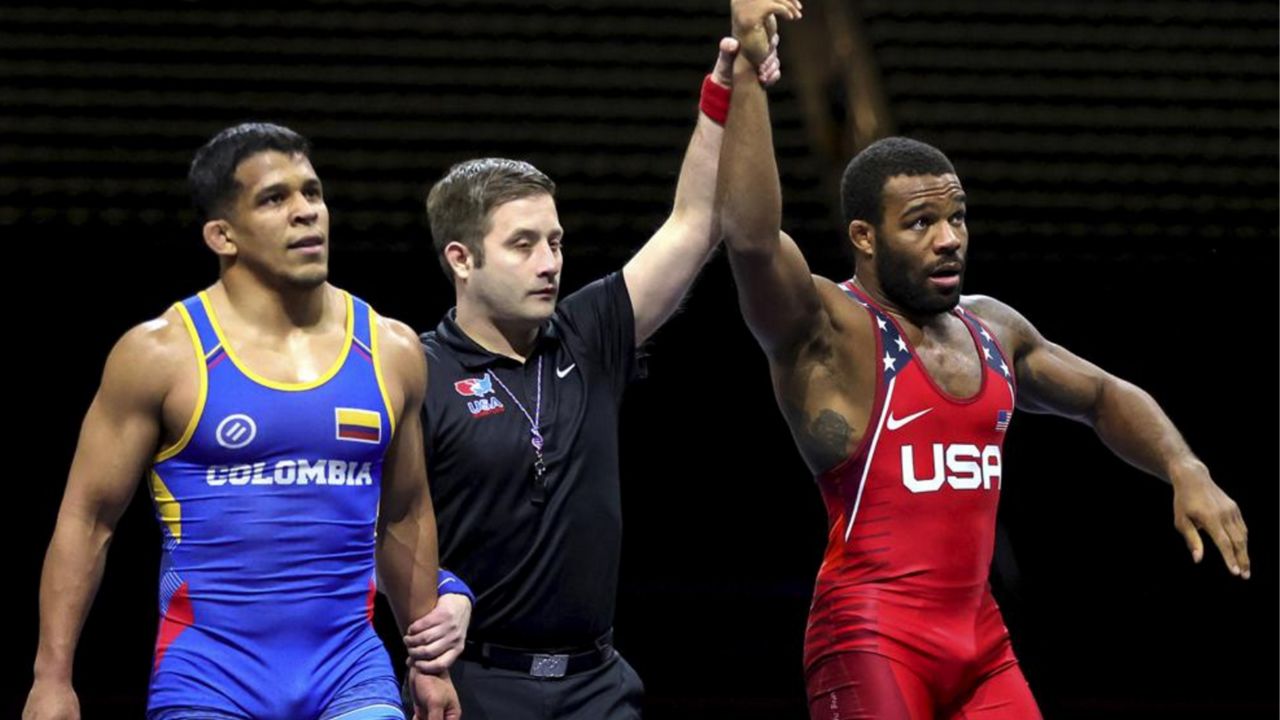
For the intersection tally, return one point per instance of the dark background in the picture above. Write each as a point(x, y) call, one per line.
point(1120, 160)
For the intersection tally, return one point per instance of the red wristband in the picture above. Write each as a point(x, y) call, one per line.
point(715, 100)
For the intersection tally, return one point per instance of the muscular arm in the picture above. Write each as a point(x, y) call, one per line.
point(120, 433)
point(406, 551)
point(1051, 379)
point(781, 301)
point(777, 294)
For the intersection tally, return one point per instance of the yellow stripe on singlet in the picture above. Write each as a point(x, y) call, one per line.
point(167, 506)
point(377, 369)
point(202, 391)
point(289, 387)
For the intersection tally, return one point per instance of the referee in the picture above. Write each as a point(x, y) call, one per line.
point(521, 424)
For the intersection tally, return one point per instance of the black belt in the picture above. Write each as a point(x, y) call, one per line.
point(548, 665)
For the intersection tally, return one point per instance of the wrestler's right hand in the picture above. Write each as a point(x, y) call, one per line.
point(755, 25)
point(51, 701)
point(434, 697)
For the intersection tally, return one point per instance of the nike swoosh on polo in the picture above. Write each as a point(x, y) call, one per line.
point(562, 373)
point(895, 423)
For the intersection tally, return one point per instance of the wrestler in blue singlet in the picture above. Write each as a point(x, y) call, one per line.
point(268, 505)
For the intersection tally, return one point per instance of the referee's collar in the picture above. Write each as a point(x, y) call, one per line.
point(472, 356)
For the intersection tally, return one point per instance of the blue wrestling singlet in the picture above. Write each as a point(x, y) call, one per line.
point(268, 505)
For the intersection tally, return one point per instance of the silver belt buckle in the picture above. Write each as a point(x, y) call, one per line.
point(549, 666)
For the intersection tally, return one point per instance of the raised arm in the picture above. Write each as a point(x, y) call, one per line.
point(779, 299)
point(661, 273)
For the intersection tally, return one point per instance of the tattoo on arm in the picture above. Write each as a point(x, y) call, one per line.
point(827, 438)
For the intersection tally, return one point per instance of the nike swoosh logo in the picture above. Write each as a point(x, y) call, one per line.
point(562, 373)
point(895, 423)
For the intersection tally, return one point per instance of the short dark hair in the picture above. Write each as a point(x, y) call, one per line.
point(862, 186)
point(458, 205)
point(212, 177)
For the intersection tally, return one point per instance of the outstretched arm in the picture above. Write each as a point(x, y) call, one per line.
point(1051, 379)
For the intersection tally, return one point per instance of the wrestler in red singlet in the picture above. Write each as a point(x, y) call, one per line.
point(903, 585)
point(898, 391)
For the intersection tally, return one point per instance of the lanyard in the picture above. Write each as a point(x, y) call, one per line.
point(535, 434)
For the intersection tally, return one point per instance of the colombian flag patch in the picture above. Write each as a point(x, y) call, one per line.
point(358, 425)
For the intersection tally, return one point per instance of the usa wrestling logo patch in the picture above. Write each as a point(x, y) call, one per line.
point(474, 387)
point(478, 388)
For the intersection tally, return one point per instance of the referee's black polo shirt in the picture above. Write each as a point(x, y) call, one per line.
point(546, 575)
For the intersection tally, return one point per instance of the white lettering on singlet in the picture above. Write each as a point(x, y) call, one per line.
point(292, 472)
point(962, 466)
